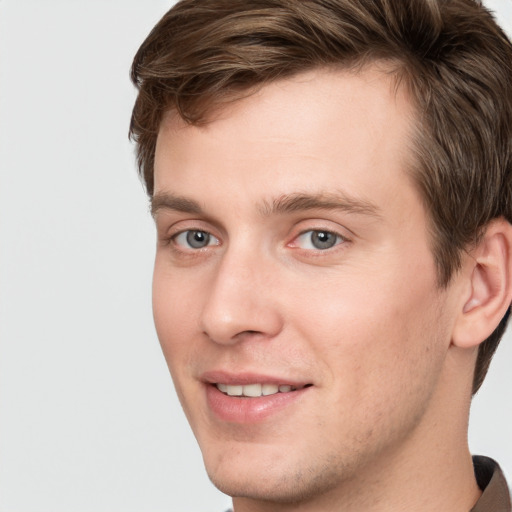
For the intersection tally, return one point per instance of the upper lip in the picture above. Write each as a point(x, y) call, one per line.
point(224, 377)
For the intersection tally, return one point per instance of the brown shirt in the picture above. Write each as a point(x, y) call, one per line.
point(496, 495)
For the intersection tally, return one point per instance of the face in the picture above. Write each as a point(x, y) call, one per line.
point(295, 292)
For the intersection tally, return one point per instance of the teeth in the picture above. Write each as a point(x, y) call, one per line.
point(269, 389)
point(235, 390)
point(254, 390)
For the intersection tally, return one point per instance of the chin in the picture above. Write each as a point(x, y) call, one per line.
point(282, 480)
point(282, 489)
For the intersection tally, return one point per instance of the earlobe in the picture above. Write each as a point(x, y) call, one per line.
point(489, 274)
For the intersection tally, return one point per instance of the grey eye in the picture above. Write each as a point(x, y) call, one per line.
point(197, 239)
point(317, 239)
point(323, 239)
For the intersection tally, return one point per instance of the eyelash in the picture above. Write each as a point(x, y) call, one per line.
point(182, 248)
point(187, 232)
point(338, 240)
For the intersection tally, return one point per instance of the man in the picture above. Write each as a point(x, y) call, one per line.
point(331, 185)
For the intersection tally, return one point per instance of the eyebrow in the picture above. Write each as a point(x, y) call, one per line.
point(291, 203)
point(286, 203)
point(166, 201)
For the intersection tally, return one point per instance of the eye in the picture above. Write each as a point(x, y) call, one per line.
point(319, 240)
point(195, 239)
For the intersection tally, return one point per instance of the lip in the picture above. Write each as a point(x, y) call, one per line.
point(244, 410)
point(215, 377)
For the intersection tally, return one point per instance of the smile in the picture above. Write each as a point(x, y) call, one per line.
point(254, 402)
point(255, 390)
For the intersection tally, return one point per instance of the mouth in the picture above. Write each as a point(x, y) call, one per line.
point(251, 398)
point(256, 390)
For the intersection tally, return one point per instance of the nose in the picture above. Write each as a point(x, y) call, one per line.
point(241, 302)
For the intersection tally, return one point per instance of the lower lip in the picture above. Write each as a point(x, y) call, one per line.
point(236, 409)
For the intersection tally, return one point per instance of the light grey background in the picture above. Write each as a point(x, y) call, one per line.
point(88, 418)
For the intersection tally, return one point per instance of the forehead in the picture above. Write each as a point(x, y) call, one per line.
point(304, 132)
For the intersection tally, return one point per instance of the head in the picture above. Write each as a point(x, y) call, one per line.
point(206, 76)
point(451, 56)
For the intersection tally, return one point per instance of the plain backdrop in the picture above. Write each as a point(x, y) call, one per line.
point(89, 421)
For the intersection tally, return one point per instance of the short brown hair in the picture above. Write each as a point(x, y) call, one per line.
point(451, 54)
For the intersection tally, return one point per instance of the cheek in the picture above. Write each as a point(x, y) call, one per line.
point(375, 336)
point(173, 306)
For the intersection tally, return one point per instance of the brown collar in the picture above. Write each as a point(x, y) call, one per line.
point(496, 495)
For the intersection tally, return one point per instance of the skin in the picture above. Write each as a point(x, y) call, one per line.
point(383, 424)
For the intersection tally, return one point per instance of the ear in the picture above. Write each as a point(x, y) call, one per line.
point(488, 290)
